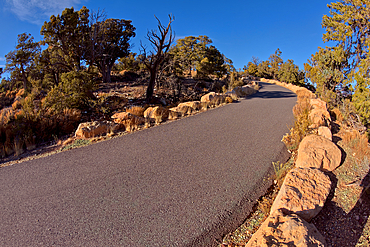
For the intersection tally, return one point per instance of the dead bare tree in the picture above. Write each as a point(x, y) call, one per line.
point(161, 43)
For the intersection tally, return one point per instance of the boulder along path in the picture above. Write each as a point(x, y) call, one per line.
point(185, 183)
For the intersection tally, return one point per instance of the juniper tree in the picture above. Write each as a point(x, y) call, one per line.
point(348, 25)
point(20, 61)
point(68, 33)
point(110, 42)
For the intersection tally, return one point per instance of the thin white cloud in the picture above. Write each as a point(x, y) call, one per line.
point(37, 11)
point(2, 59)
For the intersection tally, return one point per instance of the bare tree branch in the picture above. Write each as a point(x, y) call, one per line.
point(161, 44)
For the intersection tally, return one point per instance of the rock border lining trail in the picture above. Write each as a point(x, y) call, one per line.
point(305, 188)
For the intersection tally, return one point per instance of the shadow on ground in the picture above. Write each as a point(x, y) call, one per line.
point(273, 94)
point(345, 229)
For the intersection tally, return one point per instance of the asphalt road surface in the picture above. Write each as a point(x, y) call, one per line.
point(184, 183)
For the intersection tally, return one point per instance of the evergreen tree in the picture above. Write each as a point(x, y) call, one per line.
point(189, 52)
point(21, 61)
point(68, 33)
point(290, 73)
point(349, 26)
point(275, 62)
point(110, 42)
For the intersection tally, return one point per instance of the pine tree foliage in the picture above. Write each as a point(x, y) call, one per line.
point(276, 68)
point(348, 63)
point(20, 62)
point(328, 69)
point(197, 54)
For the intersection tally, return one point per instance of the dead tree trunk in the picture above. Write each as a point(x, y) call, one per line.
point(161, 43)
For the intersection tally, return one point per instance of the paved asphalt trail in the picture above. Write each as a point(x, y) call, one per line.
point(184, 183)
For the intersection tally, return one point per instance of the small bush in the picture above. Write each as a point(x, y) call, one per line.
point(346, 108)
point(33, 124)
point(74, 91)
point(18, 146)
point(281, 170)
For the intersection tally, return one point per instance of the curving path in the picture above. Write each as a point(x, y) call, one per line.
point(185, 183)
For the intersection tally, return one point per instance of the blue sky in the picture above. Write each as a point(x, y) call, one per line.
point(239, 29)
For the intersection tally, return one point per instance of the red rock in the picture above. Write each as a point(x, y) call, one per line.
point(208, 97)
point(196, 105)
point(303, 193)
point(183, 110)
point(319, 117)
point(318, 103)
point(96, 128)
point(286, 230)
point(121, 116)
point(318, 152)
point(325, 132)
point(156, 112)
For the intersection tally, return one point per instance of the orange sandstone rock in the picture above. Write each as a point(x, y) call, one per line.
point(286, 230)
point(318, 103)
point(158, 111)
point(325, 132)
point(96, 128)
point(303, 192)
point(319, 117)
point(318, 152)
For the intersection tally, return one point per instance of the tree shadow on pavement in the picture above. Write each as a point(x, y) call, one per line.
point(273, 94)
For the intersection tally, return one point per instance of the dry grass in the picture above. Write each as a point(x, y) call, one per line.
point(354, 140)
point(76, 143)
point(217, 100)
point(133, 123)
point(30, 141)
point(344, 221)
point(23, 129)
point(304, 95)
point(357, 149)
point(302, 122)
point(205, 106)
point(301, 125)
point(6, 114)
point(136, 110)
point(18, 146)
point(228, 100)
point(281, 170)
point(17, 105)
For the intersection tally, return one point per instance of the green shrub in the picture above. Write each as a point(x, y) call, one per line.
point(74, 91)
